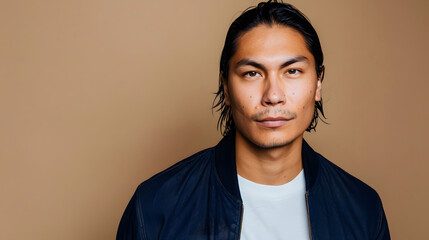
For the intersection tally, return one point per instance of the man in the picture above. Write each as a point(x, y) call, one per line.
point(262, 181)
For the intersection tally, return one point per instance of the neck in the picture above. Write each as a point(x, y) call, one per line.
point(269, 166)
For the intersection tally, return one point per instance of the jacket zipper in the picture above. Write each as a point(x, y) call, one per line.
point(241, 221)
point(308, 216)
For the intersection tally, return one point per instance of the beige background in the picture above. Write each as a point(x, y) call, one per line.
point(97, 96)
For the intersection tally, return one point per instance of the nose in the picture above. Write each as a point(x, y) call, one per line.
point(273, 93)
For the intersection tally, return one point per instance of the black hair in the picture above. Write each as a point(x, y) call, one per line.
point(268, 13)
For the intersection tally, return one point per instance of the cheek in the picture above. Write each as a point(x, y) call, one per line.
point(303, 98)
point(298, 94)
point(308, 105)
point(244, 101)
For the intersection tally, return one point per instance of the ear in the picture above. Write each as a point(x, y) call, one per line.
point(225, 90)
point(318, 95)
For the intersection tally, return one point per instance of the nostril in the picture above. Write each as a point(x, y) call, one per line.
point(274, 98)
point(273, 94)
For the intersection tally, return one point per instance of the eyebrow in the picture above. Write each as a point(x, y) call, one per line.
point(248, 61)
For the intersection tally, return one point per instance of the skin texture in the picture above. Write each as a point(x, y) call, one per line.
point(272, 88)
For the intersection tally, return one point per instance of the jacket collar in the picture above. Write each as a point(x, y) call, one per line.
point(227, 171)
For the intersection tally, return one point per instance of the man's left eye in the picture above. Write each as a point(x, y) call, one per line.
point(293, 71)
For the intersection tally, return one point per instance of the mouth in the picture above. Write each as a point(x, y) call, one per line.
point(273, 122)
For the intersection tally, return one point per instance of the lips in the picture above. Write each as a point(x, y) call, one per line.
point(273, 122)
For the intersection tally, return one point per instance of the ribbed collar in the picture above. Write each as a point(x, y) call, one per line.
point(227, 169)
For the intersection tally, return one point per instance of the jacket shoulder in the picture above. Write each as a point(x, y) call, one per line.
point(340, 181)
point(188, 167)
point(162, 195)
point(163, 187)
point(353, 198)
point(329, 171)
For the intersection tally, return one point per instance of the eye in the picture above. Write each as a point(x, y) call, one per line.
point(293, 71)
point(251, 74)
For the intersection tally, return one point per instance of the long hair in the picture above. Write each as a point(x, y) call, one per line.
point(268, 13)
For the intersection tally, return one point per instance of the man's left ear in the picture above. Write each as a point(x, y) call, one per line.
point(318, 95)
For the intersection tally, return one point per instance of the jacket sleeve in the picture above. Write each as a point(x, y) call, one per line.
point(383, 229)
point(131, 225)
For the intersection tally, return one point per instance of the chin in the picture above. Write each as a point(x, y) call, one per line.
point(272, 144)
point(269, 142)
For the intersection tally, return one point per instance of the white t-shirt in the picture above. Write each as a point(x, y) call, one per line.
point(274, 212)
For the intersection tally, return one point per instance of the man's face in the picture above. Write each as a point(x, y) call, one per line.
point(272, 86)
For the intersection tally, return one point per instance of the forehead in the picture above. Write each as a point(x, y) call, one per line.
point(270, 42)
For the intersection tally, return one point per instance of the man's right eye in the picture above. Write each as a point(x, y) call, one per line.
point(251, 74)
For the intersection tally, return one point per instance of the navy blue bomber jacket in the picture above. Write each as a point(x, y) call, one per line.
point(199, 198)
